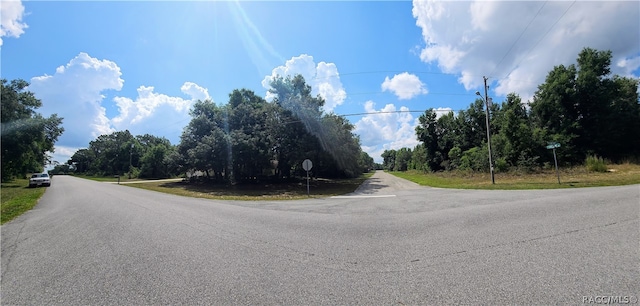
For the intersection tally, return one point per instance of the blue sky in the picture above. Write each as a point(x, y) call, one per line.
point(107, 66)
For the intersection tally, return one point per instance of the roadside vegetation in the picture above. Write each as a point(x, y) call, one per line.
point(242, 142)
point(318, 188)
point(574, 177)
point(17, 198)
point(590, 117)
point(27, 136)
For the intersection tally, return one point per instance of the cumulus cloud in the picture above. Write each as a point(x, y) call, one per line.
point(196, 92)
point(149, 112)
point(11, 24)
point(76, 92)
point(405, 86)
point(517, 43)
point(386, 129)
point(323, 78)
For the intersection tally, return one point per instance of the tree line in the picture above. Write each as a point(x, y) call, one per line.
point(582, 107)
point(27, 136)
point(247, 139)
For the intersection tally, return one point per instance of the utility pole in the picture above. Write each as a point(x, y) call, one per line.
point(486, 102)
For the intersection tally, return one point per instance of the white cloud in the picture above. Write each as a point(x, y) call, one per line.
point(441, 111)
point(386, 129)
point(195, 92)
point(405, 86)
point(11, 14)
point(62, 154)
point(389, 128)
point(323, 78)
point(627, 66)
point(481, 38)
point(153, 112)
point(74, 92)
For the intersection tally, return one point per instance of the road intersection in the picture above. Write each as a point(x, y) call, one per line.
point(390, 242)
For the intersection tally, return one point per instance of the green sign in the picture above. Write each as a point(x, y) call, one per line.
point(553, 145)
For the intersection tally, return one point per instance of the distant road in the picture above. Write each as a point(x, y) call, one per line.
point(90, 243)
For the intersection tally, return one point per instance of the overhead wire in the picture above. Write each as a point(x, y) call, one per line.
point(541, 38)
point(518, 39)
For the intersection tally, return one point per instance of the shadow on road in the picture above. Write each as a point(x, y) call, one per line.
point(371, 186)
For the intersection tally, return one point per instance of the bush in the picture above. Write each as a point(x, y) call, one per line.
point(596, 164)
point(501, 165)
point(475, 159)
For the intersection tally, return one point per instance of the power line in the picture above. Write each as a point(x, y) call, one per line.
point(518, 39)
point(541, 38)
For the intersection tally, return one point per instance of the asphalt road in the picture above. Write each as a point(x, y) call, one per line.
point(389, 243)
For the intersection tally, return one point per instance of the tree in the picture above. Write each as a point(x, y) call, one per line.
point(366, 162)
point(204, 144)
point(623, 120)
point(426, 133)
point(403, 159)
point(26, 135)
point(389, 160)
point(419, 159)
point(587, 110)
point(82, 160)
point(153, 163)
point(112, 153)
point(519, 147)
point(248, 135)
point(308, 132)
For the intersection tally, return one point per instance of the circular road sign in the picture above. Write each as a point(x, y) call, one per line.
point(307, 165)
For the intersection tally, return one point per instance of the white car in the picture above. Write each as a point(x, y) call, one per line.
point(40, 179)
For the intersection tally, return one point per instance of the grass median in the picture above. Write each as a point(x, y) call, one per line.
point(616, 175)
point(17, 198)
point(318, 188)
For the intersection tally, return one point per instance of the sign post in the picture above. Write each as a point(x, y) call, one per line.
point(307, 165)
point(554, 145)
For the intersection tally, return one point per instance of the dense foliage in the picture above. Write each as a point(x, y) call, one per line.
point(119, 153)
point(247, 139)
point(583, 108)
point(26, 135)
point(251, 139)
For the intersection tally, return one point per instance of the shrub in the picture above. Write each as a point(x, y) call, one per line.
point(501, 165)
point(475, 159)
point(596, 164)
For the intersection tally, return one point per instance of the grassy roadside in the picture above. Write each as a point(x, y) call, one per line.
point(16, 198)
point(319, 188)
point(623, 174)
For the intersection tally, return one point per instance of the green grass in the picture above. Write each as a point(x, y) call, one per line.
point(623, 174)
point(17, 198)
point(319, 188)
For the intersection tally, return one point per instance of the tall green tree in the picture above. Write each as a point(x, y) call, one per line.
point(82, 160)
point(519, 148)
point(587, 110)
point(205, 144)
point(153, 162)
point(623, 120)
point(426, 133)
point(250, 144)
point(26, 135)
point(389, 160)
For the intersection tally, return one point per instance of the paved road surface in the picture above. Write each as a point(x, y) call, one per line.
point(90, 243)
point(382, 183)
